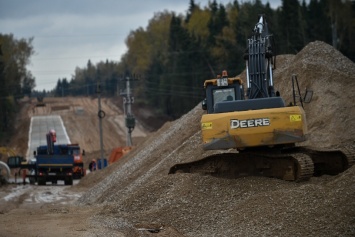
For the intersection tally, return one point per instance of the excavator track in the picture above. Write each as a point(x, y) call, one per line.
point(292, 164)
point(305, 167)
point(329, 161)
point(293, 167)
point(349, 152)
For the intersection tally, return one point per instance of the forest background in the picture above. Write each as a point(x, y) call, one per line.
point(169, 60)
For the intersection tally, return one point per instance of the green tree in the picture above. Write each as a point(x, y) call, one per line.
point(319, 25)
point(290, 27)
point(15, 79)
point(191, 9)
point(184, 70)
point(198, 25)
point(59, 88)
point(217, 21)
point(176, 53)
point(342, 21)
point(147, 55)
point(28, 83)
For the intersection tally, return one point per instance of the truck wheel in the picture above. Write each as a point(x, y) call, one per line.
point(2, 180)
point(69, 181)
point(41, 181)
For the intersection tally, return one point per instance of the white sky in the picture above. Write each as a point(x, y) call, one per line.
point(67, 33)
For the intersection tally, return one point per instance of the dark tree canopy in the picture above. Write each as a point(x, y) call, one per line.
point(175, 53)
point(15, 80)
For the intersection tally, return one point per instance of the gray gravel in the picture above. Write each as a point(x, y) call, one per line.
point(137, 193)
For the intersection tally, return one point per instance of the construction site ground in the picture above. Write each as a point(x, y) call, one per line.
point(137, 197)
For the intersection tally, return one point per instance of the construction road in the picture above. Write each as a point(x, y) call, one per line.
point(40, 125)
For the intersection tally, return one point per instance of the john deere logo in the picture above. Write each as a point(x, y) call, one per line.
point(249, 123)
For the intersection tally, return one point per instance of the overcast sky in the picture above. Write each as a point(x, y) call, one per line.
point(67, 33)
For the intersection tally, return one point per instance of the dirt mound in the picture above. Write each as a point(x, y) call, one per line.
point(137, 190)
point(149, 161)
point(331, 76)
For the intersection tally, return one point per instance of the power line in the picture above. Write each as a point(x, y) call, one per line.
point(75, 57)
point(78, 36)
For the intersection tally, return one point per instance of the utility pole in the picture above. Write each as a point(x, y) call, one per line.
point(101, 115)
point(128, 100)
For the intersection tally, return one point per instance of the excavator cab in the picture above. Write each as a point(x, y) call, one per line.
point(221, 90)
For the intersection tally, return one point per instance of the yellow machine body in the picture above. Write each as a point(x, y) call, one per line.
point(252, 128)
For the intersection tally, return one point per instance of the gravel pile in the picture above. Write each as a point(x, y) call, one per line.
point(331, 76)
point(136, 193)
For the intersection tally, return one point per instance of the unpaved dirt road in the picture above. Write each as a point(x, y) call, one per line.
point(28, 208)
point(33, 210)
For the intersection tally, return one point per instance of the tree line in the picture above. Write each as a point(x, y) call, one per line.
point(175, 53)
point(15, 80)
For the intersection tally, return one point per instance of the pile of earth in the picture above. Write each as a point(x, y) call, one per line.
point(136, 192)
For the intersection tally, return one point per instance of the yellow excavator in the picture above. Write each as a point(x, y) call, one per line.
point(258, 130)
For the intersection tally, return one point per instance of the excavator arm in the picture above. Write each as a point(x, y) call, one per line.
point(259, 59)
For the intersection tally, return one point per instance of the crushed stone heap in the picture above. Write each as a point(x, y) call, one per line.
point(137, 191)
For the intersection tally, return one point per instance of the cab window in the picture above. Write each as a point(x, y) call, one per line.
point(226, 94)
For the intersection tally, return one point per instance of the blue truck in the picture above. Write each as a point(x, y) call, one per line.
point(53, 167)
point(50, 163)
point(45, 167)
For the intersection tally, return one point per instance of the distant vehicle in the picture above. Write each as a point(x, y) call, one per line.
point(53, 167)
point(52, 163)
point(40, 101)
